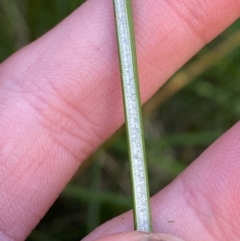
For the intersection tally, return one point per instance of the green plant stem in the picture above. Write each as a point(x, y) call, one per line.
point(132, 106)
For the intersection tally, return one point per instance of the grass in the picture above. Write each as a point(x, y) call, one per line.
point(199, 103)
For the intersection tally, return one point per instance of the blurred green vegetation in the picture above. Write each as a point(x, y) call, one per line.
point(199, 103)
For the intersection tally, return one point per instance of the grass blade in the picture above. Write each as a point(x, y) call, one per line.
point(132, 105)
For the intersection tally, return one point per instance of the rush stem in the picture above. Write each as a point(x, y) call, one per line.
point(133, 114)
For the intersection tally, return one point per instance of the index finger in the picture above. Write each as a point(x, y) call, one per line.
point(61, 97)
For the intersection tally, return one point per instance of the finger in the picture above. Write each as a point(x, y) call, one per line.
point(203, 203)
point(63, 98)
point(138, 236)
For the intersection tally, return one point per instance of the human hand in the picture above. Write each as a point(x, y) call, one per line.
point(60, 98)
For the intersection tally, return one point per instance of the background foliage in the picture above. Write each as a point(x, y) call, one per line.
point(198, 104)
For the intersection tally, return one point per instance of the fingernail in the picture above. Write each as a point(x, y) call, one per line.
point(160, 237)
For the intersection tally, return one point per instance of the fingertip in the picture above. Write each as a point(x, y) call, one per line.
point(140, 236)
point(160, 237)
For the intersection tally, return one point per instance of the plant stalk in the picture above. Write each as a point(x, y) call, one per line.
point(133, 115)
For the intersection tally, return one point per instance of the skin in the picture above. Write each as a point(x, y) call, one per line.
point(60, 99)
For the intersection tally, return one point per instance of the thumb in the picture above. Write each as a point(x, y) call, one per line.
point(139, 236)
